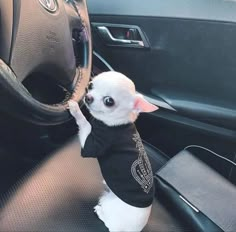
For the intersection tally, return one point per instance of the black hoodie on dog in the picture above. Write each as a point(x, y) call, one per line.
point(123, 161)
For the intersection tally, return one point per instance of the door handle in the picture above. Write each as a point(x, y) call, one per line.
point(111, 40)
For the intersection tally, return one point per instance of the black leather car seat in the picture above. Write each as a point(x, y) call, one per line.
point(60, 193)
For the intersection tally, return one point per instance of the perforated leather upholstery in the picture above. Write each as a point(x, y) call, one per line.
point(59, 195)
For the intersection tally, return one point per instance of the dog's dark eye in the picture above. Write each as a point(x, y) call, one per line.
point(108, 101)
point(90, 86)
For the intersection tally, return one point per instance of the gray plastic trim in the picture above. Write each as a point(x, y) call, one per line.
point(159, 103)
point(216, 10)
point(103, 60)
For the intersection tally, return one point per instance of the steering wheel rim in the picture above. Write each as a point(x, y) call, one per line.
point(16, 62)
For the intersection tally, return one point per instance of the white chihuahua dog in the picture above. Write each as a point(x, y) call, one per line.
point(112, 138)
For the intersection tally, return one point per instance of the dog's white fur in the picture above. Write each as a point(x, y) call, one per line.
point(115, 213)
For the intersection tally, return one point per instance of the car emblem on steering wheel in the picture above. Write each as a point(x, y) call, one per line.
point(49, 5)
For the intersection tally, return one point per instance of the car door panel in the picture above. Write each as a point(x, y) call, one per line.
point(189, 66)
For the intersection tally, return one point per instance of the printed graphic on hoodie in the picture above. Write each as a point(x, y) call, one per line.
point(141, 168)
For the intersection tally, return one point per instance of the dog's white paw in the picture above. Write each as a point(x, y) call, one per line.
point(73, 107)
point(98, 211)
point(96, 208)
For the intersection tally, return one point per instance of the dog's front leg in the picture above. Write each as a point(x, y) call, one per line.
point(84, 126)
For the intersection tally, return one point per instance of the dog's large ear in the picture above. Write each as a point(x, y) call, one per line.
point(142, 105)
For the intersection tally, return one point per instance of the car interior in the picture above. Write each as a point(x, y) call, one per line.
point(181, 56)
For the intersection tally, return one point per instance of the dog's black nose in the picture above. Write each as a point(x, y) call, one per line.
point(89, 99)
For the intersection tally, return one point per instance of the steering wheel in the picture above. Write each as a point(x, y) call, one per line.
point(43, 36)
